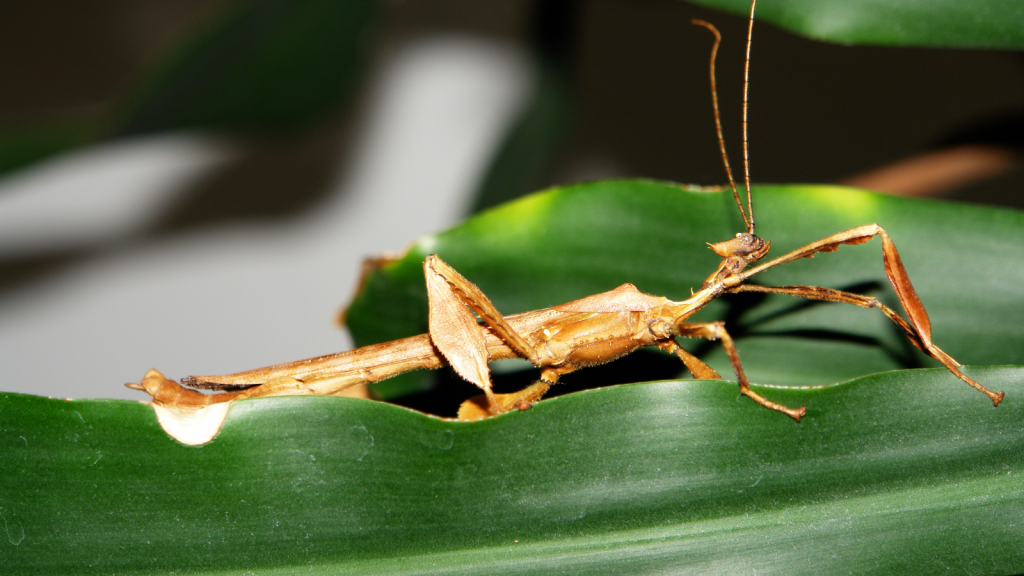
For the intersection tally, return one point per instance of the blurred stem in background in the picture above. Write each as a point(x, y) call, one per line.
point(986, 150)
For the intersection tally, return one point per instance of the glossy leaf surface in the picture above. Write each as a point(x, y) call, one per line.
point(903, 472)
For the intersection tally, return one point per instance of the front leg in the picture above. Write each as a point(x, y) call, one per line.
point(920, 328)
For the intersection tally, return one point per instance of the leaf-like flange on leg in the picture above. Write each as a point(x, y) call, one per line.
point(477, 301)
point(454, 330)
point(919, 317)
point(905, 290)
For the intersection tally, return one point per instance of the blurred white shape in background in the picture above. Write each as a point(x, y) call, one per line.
point(244, 296)
point(101, 194)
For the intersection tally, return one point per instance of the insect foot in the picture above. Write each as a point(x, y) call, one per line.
point(476, 408)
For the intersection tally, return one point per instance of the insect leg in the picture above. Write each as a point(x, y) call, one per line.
point(473, 297)
point(831, 295)
point(696, 366)
point(476, 407)
point(456, 333)
point(900, 281)
point(716, 331)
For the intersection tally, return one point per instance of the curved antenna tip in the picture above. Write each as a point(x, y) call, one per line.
point(749, 223)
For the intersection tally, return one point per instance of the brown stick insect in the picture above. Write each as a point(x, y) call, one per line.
point(466, 331)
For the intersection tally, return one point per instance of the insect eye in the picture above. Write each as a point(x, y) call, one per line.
point(745, 238)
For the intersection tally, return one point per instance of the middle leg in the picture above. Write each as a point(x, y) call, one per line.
point(716, 331)
point(477, 407)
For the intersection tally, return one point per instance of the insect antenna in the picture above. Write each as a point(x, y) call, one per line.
point(746, 89)
point(718, 122)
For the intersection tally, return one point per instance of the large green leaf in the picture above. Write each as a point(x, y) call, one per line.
point(907, 472)
point(567, 243)
point(952, 23)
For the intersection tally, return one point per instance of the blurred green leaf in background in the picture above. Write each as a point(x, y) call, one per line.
point(270, 66)
point(939, 23)
point(262, 65)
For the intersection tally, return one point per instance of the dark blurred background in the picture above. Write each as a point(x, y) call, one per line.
point(154, 221)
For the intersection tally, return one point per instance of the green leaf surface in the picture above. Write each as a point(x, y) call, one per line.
point(940, 23)
point(906, 472)
point(571, 242)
